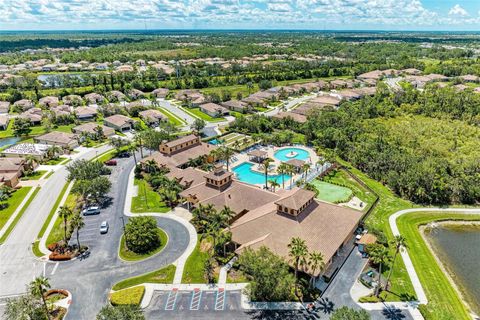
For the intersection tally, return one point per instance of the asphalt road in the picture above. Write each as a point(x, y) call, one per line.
point(90, 279)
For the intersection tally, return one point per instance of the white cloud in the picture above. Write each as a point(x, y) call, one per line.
point(457, 10)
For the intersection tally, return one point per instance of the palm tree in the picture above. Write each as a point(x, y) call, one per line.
point(274, 184)
point(315, 262)
point(30, 162)
point(379, 256)
point(305, 168)
point(53, 151)
point(398, 242)
point(249, 87)
point(225, 154)
point(266, 167)
point(150, 166)
point(139, 141)
point(290, 171)
point(282, 169)
point(170, 197)
point(132, 147)
point(226, 214)
point(65, 213)
point(37, 288)
point(298, 252)
point(78, 223)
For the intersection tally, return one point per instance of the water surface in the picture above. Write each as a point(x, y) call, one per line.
point(458, 247)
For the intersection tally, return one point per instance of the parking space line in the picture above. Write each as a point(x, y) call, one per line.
point(196, 297)
point(54, 269)
point(220, 299)
point(172, 298)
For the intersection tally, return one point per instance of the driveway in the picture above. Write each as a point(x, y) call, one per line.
point(176, 111)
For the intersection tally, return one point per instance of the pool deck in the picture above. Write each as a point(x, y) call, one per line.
point(242, 157)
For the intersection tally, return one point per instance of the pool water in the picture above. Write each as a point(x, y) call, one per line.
point(214, 141)
point(301, 154)
point(245, 173)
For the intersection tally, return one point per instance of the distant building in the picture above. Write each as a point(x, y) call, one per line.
point(152, 117)
point(119, 122)
point(160, 93)
point(90, 129)
point(213, 110)
point(48, 102)
point(4, 121)
point(85, 113)
point(57, 138)
point(11, 169)
point(4, 107)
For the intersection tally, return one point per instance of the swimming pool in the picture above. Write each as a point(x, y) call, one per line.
point(301, 154)
point(245, 173)
point(215, 142)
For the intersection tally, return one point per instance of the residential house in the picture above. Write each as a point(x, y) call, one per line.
point(4, 121)
point(48, 102)
point(57, 138)
point(160, 93)
point(119, 122)
point(85, 113)
point(213, 110)
point(91, 129)
point(135, 94)
point(62, 110)
point(11, 169)
point(115, 95)
point(236, 105)
point(72, 100)
point(94, 98)
point(192, 97)
point(26, 149)
point(4, 107)
point(23, 104)
point(35, 115)
point(300, 118)
point(470, 78)
point(152, 117)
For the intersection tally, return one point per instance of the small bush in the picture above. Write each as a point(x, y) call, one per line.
point(369, 299)
point(130, 296)
point(54, 256)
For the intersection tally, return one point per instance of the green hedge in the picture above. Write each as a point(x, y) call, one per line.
point(131, 296)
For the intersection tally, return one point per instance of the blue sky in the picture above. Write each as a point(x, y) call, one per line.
point(240, 14)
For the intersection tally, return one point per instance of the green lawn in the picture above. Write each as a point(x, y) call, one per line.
point(331, 192)
point(132, 256)
point(36, 130)
point(153, 202)
point(388, 204)
point(196, 113)
point(443, 300)
point(130, 296)
point(19, 215)
point(53, 162)
point(342, 178)
point(57, 232)
point(36, 175)
point(13, 203)
point(193, 271)
point(175, 120)
point(108, 155)
point(164, 275)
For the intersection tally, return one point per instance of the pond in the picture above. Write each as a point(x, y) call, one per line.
point(8, 141)
point(457, 246)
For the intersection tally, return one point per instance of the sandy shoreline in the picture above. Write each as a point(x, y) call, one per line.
point(466, 299)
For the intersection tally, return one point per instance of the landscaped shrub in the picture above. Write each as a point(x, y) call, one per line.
point(369, 299)
point(55, 256)
point(130, 296)
point(142, 235)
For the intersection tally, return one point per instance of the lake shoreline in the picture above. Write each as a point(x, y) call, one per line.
point(466, 298)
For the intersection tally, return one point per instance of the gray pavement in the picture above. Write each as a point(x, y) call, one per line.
point(176, 111)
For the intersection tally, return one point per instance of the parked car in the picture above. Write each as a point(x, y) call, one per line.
point(92, 210)
point(104, 227)
point(124, 154)
point(111, 162)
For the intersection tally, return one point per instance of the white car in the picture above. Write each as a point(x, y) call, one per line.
point(104, 227)
point(91, 211)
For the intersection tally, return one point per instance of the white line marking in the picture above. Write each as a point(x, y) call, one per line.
point(54, 269)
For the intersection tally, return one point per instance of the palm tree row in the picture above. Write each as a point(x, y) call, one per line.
point(301, 258)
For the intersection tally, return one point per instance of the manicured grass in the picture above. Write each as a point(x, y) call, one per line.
point(388, 204)
point(13, 203)
point(35, 175)
point(196, 113)
point(193, 271)
point(153, 202)
point(443, 300)
point(49, 174)
point(132, 256)
point(175, 120)
point(130, 296)
point(331, 192)
point(108, 155)
point(342, 178)
point(164, 275)
point(36, 251)
point(19, 215)
point(53, 162)
point(57, 232)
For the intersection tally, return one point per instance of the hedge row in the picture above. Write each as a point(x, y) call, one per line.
point(129, 296)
